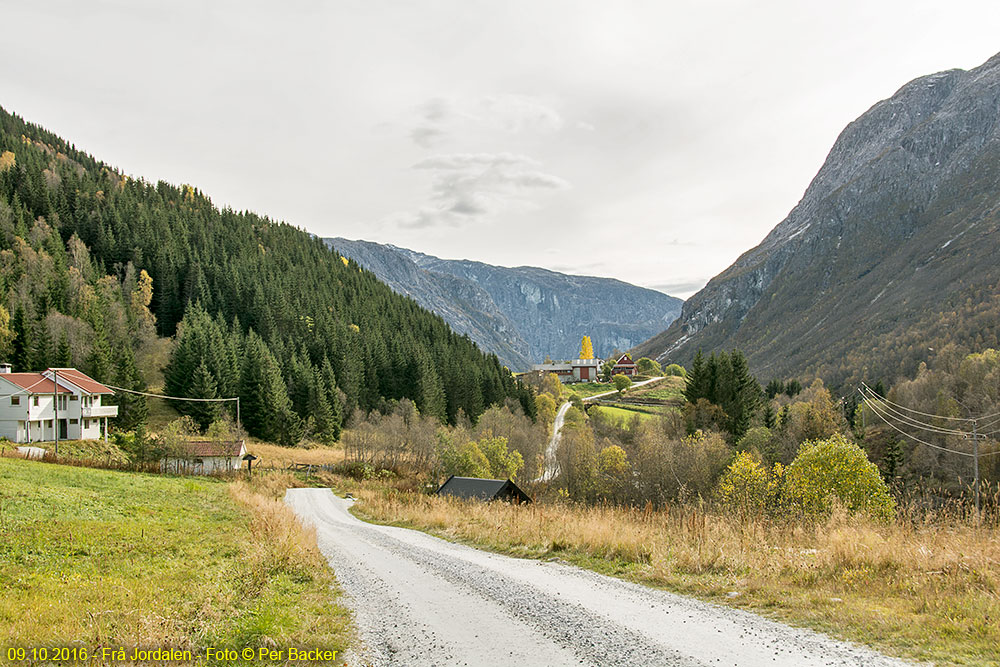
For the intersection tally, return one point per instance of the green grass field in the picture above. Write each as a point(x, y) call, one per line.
point(585, 389)
point(627, 413)
point(78, 449)
point(667, 389)
point(95, 557)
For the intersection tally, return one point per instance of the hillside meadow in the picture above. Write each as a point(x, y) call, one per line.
point(97, 557)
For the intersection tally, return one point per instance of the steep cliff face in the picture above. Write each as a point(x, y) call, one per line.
point(522, 314)
point(870, 269)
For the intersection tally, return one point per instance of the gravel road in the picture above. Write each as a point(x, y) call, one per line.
point(420, 601)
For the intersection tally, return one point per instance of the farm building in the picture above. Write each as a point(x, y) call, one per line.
point(205, 457)
point(625, 366)
point(577, 370)
point(63, 402)
point(474, 488)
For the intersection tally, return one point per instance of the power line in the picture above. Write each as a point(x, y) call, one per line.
point(910, 421)
point(927, 414)
point(26, 389)
point(918, 412)
point(911, 437)
point(171, 398)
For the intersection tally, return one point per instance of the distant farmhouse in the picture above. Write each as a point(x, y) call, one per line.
point(578, 370)
point(474, 488)
point(205, 457)
point(625, 366)
point(31, 412)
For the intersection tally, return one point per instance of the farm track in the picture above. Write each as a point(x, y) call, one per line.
point(419, 601)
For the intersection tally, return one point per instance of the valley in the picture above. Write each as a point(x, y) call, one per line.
point(225, 432)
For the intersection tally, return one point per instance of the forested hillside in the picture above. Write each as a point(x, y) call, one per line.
point(95, 265)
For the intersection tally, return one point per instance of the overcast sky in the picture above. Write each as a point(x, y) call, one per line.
point(648, 141)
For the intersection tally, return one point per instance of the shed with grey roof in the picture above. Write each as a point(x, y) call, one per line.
point(474, 488)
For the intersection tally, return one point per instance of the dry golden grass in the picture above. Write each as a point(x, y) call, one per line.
point(929, 590)
point(279, 457)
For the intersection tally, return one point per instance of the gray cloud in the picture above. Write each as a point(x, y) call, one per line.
point(467, 186)
point(675, 289)
point(442, 118)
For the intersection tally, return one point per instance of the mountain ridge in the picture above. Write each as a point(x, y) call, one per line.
point(520, 313)
point(879, 239)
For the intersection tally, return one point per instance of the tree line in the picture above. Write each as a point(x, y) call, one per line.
point(91, 245)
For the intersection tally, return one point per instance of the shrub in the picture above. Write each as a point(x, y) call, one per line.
point(835, 468)
point(743, 487)
point(676, 370)
point(747, 487)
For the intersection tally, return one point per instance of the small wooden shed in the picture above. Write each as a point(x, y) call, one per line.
point(474, 488)
point(205, 457)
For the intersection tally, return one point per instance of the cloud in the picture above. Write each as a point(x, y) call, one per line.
point(470, 186)
point(442, 118)
point(686, 287)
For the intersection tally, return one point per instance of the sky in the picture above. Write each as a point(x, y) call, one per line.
point(653, 141)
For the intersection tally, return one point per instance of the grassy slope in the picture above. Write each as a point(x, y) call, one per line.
point(102, 557)
point(627, 412)
point(920, 591)
point(585, 389)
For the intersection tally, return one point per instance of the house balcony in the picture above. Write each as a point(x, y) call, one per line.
point(100, 411)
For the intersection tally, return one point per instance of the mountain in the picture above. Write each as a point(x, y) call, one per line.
point(520, 314)
point(889, 256)
point(98, 267)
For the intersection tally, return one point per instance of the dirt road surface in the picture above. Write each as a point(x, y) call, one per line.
point(420, 601)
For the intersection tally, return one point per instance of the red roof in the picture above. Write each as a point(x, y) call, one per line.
point(35, 383)
point(82, 380)
point(210, 448)
point(38, 383)
point(625, 360)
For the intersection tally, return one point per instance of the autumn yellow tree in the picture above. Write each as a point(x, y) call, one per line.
point(586, 348)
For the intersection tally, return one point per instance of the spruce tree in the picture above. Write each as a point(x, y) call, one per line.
point(267, 411)
point(203, 386)
point(64, 353)
point(132, 408)
point(696, 385)
point(21, 355)
point(745, 396)
point(42, 352)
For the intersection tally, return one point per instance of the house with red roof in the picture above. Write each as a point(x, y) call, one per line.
point(625, 366)
point(58, 402)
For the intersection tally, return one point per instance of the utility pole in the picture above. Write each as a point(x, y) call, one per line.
point(55, 409)
point(976, 437)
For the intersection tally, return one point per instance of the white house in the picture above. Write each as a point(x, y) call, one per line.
point(34, 405)
point(578, 370)
point(205, 457)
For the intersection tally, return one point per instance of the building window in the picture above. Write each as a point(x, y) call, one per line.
point(36, 401)
point(15, 400)
point(74, 397)
point(48, 423)
point(73, 421)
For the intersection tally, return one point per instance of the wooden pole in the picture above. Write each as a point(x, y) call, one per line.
point(55, 409)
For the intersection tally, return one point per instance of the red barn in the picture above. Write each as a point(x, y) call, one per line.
point(625, 366)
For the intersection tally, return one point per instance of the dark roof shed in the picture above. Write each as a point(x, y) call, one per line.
point(474, 488)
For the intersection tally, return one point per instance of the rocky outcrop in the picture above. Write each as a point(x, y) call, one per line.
point(522, 314)
point(898, 222)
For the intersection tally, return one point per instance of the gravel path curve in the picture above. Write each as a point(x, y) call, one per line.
point(421, 601)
